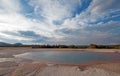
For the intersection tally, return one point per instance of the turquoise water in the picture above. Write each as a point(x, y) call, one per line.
point(69, 57)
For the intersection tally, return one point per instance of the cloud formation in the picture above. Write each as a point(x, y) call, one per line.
point(60, 21)
point(55, 10)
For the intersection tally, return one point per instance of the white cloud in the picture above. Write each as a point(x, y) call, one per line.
point(9, 6)
point(13, 37)
point(97, 10)
point(102, 6)
point(17, 22)
point(12, 20)
point(107, 33)
point(55, 9)
point(100, 9)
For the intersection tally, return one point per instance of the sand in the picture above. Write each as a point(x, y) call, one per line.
point(74, 71)
point(38, 69)
point(31, 68)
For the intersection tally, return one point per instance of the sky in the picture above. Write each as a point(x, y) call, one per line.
point(78, 22)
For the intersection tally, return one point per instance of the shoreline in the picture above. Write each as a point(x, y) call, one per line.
point(87, 64)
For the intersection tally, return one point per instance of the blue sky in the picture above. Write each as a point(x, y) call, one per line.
point(77, 22)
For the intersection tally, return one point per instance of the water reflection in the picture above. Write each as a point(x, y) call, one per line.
point(67, 57)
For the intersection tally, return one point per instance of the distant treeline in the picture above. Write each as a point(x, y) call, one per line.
point(92, 46)
point(59, 46)
point(104, 46)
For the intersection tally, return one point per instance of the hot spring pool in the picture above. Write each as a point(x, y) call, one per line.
point(74, 57)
